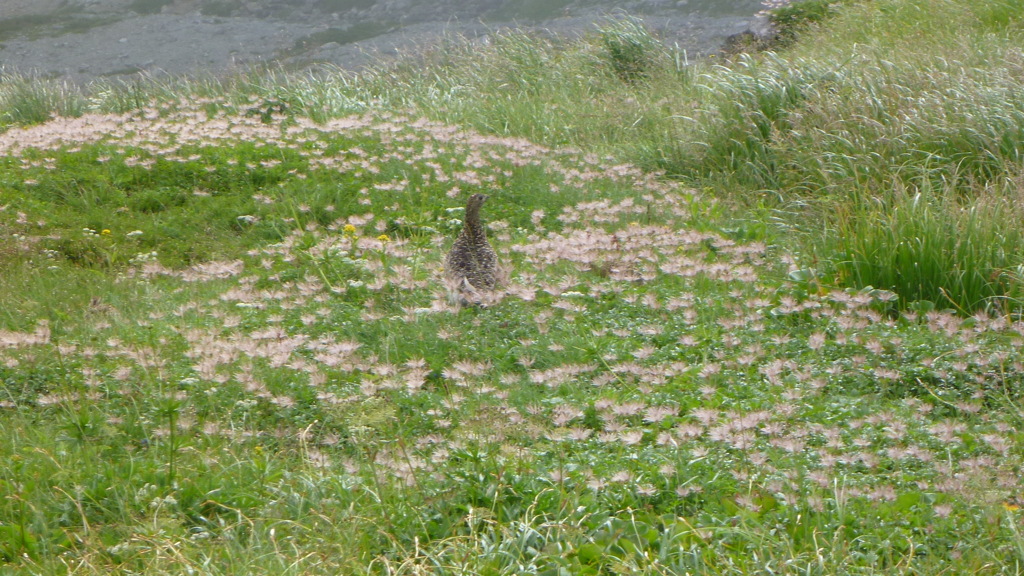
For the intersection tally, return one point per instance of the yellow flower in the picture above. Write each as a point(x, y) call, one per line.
point(349, 229)
point(384, 238)
point(105, 232)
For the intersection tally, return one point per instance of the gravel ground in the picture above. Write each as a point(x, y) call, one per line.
point(88, 39)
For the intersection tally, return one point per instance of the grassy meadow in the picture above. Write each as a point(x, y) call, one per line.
point(761, 315)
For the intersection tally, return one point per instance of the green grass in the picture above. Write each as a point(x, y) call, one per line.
point(32, 101)
point(762, 312)
point(934, 250)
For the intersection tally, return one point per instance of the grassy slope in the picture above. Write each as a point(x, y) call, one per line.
point(225, 346)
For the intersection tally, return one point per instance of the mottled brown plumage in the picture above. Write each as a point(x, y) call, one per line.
point(471, 264)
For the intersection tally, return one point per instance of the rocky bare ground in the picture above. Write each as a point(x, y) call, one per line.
point(81, 40)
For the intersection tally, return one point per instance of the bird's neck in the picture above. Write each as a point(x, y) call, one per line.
point(472, 227)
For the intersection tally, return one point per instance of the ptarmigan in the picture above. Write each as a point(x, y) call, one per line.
point(471, 264)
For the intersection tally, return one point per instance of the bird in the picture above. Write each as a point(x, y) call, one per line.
point(472, 265)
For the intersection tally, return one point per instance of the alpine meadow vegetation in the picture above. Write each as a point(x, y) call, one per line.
point(762, 312)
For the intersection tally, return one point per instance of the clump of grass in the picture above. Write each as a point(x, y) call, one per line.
point(25, 100)
point(793, 19)
point(744, 111)
point(629, 49)
point(930, 247)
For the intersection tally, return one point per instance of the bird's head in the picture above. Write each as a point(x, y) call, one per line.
point(474, 204)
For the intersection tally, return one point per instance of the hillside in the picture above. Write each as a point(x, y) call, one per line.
point(759, 313)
